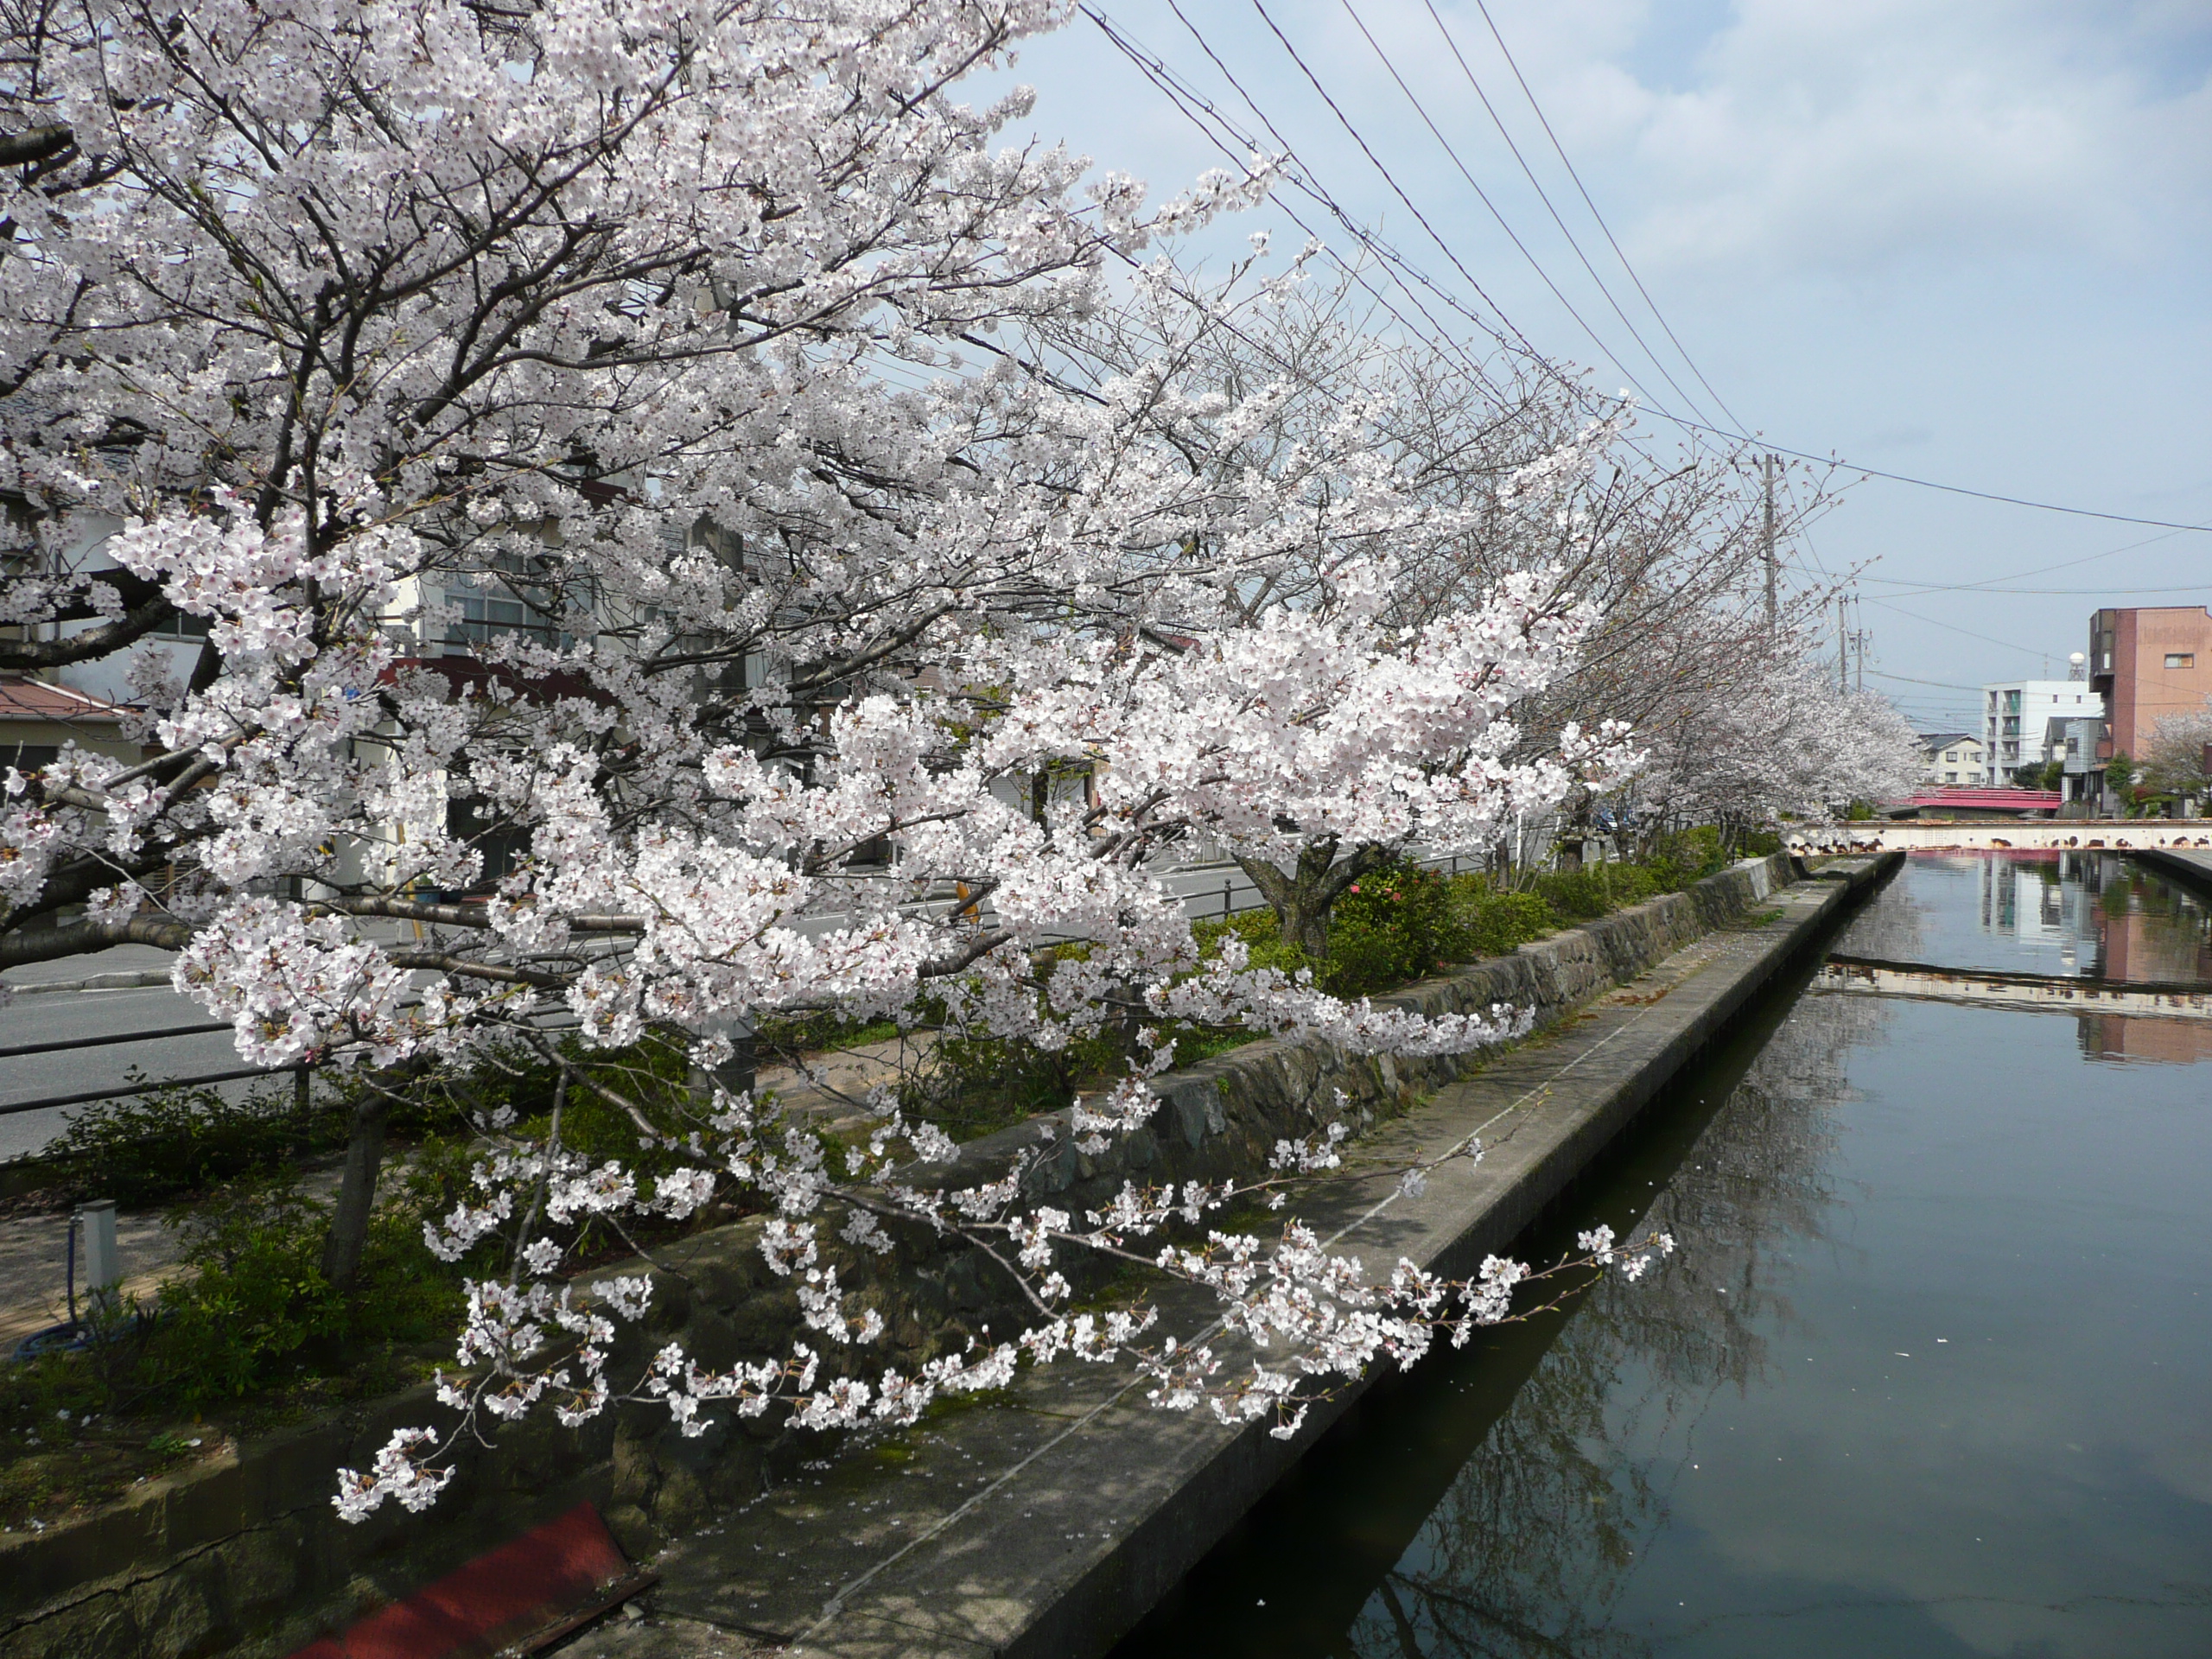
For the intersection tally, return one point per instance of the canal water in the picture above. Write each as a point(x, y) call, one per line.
point(1930, 1375)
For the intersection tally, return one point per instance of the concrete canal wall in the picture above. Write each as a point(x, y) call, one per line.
point(2001, 834)
point(2191, 868)
point(956, 1544)
point(1046, 1528)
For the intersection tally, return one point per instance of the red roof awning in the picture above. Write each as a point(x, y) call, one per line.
point(22, 698)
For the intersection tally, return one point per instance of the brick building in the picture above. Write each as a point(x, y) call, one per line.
point(2149, 665)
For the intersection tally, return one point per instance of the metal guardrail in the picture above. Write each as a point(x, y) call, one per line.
point(51, 1102)
point(65, 1044)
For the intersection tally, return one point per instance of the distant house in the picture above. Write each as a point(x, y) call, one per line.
point(1951, 757)
point(37, 717)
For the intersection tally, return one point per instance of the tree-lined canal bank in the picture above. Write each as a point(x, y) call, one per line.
point(1928, 1377)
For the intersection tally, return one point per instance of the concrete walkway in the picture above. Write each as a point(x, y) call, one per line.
point(1046, 1526)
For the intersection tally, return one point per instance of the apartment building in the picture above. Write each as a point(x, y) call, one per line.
point(2016, 720)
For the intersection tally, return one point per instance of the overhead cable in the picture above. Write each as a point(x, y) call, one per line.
point(1560, 151)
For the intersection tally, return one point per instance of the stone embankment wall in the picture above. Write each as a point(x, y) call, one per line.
point(244, 1552)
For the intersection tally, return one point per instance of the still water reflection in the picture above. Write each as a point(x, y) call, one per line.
point(1931, 1375)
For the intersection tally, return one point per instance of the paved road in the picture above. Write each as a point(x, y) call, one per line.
point(60, 1016)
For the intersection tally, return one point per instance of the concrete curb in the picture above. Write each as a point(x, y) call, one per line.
point(1050, 1527)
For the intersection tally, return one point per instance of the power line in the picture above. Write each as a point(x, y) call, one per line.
point(1190, 102)
point(1841, 465)
point(2009, 645)
point(1946, 685)
point(1483, 196)
point(2043, 570)
point(1196, 108)
point(1398, 268)
point(1420, 218)
point(1200, 110)
point(2076, 593)
point(1560, 151)
point(1398, 262)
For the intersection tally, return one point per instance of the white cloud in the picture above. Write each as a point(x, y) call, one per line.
point(1809, 134)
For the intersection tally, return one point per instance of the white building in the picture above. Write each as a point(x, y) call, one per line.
point(2017, 715)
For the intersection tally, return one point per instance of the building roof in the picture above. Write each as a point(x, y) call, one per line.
point(1937, 739)
point(28, 699)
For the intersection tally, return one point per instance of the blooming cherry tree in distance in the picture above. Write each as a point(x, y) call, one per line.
point(1775, 742)
point(666, 359)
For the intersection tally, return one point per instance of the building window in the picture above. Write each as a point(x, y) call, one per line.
point(1951, 755)
point(481, 617)
point(1950, 776)
point(182, 625)
point(2181, 659)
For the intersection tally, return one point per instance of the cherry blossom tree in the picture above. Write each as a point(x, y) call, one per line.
point(1778, 741)
point(2173, 757)
point(667, 360)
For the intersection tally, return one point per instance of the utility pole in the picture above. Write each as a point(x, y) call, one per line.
point(1766, 467)
point(1842, 644)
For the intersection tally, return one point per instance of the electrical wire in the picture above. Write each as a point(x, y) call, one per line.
point(2072, 592)
point(2009, 645)
point(1984, 586)
point(1156, 70)
point(1560, 151)
point(1396, 268)
point(1544, 197)
point(1841, 465)
point(1195, 107)
point(1398, 262)
point(1946, 685)
point(1513, 235)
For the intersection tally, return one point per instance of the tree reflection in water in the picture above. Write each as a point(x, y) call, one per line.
point(1539, 1534)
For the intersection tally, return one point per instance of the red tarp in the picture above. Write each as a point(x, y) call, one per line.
point(543, 1579)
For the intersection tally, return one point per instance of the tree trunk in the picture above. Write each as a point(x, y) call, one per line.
point(357, 1191)
point(1302, 898)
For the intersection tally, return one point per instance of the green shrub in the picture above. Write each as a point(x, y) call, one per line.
point(1393, 925)
point(655, 1074)
point(251, 1310)
point(177, 1140)
point(174, 1140)
point(1597, 890)
point(1496, 924)
point(253, 1294)
point(974, 1084)
point(1262, 935)
point(253, 1306)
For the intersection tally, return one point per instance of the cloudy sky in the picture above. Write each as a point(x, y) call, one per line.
point(1959, 239)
